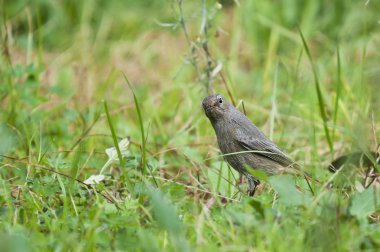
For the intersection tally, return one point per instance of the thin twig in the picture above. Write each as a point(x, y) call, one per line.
point(195, 188)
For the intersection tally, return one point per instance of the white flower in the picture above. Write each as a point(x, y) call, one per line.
point(112, 153)
point(217, 69)
point(123, 146)
point(94, 179)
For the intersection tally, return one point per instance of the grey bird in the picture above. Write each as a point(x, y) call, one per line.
point(242, 143)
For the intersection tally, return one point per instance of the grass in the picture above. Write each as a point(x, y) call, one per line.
point(305, 72)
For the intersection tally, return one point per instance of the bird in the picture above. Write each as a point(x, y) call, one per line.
point(243, 144)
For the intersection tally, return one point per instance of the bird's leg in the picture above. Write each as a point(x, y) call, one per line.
point(253, 183)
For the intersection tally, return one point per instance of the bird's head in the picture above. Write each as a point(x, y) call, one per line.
point(215, 106)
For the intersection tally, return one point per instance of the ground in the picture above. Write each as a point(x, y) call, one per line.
point(78, 77)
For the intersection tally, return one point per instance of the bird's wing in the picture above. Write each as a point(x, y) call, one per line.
point(264, 148)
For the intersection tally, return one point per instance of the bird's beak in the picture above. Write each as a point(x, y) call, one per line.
point(208, 108)
point(209, 105)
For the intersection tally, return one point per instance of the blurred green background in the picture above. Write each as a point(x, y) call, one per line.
point(61, 60)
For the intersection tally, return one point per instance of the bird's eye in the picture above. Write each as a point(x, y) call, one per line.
point(220, 100)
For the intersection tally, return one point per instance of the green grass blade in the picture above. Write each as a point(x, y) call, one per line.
point(219, 177)
point(75, 161)
point(229, 182)
point(338, 90)
point(143, 139)
point(114, 137)
point(319, 93)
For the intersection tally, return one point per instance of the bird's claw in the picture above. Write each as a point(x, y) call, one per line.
point(251, 192)
point(253, 183)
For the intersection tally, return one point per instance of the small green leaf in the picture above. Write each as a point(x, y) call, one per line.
point(110, 208)
point(258, 207)
point(365, 203)
point(285, 187)
point(259, 174)
point(164, 212)
point(8, 139)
